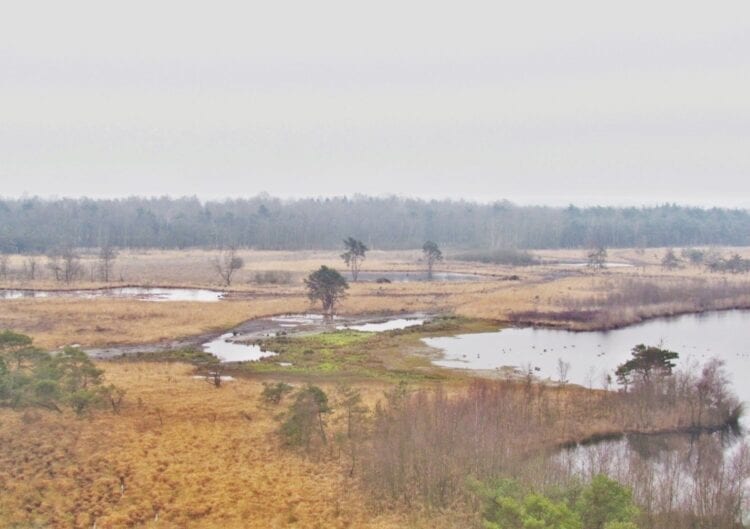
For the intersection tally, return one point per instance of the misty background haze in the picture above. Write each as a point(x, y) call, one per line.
point(583, 102)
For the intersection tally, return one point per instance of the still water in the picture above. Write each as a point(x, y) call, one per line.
point(140, 293)
point(227, 350)
point(387, 325)
point(593, 355)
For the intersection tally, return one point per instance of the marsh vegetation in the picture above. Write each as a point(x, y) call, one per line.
point(350, 414)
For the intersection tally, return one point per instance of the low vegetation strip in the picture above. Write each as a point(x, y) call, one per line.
point(618, 302)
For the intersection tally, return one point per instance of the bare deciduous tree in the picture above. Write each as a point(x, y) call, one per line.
point(30, 268)
point(562, 371)
point(107, 256)
point(670, 261)
point(4, 258)
point(355, 417)
point(227, 263)
point(65, 264)
point(597, 258)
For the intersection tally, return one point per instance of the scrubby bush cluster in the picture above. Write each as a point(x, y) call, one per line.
point(601, 504)
point(622, 301)
point(734, 265)
point(272, 277)
point(504, 256)
point(30, 376)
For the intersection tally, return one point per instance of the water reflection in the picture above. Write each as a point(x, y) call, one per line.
point(670, 473)
point(593, 355)
point(388, 325)
point(139, 293)
point(227, 350)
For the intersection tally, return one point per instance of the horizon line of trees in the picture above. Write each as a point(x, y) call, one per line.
point(30, 225)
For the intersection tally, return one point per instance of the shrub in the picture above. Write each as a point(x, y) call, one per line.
point(305, 421)
point(273, 393)
point(273, 277)
point(506, 256)
point(32, 377)
point(602, 504)
point(605, 502)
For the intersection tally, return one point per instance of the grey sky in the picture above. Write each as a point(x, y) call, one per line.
point(533, 101)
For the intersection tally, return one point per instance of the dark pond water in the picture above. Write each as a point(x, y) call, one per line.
point(592, 355)
point(140, 293)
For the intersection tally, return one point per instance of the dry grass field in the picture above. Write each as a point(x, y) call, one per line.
point(539, 292)
point(181, 454)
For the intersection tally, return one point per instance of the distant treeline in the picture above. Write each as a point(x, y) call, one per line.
point(263, 222)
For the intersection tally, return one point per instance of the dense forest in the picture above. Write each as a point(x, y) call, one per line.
point(264, 222)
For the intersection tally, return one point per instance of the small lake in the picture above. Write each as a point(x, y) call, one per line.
point(593, 355)
point(402, 277)
point(139, 293)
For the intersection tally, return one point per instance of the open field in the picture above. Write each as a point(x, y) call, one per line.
point(536, 294)
point(180, 454)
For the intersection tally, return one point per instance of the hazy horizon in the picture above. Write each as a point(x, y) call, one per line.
point(581, 103)
point(558, 201)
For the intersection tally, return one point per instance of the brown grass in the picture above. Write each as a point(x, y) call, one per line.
point(187, 454)
point(540, 290)
point(57, 322)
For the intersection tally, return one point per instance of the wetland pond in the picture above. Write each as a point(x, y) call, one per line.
point(683, 458)
point(138, 293)
point(593, 355)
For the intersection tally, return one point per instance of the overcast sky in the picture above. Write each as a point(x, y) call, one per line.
point(541, 102)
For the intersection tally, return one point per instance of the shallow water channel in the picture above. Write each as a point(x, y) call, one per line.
point(387, 325)
point(232, 346)
point(139, 293)
point(227, 350)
